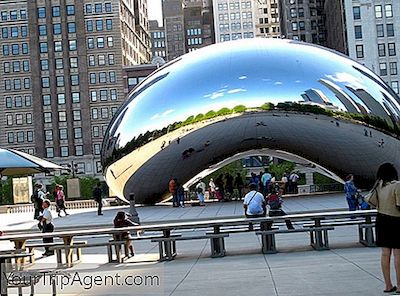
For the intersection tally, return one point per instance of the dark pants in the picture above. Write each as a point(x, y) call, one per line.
point(99, 206)
point(175, 199)
point(37, 213)
point(281, 212)
point(48, 228)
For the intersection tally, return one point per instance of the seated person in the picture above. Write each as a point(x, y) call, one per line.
point(274, 202)
point(122, 220)
point(254, 203)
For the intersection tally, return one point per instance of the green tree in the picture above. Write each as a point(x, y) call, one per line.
point(280, 168)
point(239, 109)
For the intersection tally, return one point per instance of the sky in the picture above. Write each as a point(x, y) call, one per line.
point(154, 10)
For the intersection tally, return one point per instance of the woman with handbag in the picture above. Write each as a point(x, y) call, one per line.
point(351, 191)
point(385, 196)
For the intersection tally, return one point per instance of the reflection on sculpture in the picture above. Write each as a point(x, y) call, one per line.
point(204, 107)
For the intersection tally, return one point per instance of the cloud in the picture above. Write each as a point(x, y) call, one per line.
point(235, 90)
point(164, 114)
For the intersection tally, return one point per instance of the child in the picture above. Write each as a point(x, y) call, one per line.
point(121, 220)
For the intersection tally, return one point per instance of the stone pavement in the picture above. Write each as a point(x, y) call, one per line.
point(347, 269)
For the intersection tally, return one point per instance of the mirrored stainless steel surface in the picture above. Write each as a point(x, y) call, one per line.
point(178, 122)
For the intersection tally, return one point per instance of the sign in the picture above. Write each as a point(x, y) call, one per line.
point(73, 188)
point(22, 189)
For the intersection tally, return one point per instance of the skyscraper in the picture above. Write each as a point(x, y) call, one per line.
point(368, 31)
point(61, 73)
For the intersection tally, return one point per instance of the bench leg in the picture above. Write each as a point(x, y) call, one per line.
point(59, 257)
point(31, 258)
point(268, 245)
point(169, 250)
point(78, 254)
point(118, 253)
point(217, 247)
point(366, 235)
point(319, 240)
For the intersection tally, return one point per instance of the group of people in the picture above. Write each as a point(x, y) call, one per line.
point(224, 186)
point(39, 195)
point(385, 197)
point(178, 193)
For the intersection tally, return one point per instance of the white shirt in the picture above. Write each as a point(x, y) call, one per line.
point(284, 179)
point(41, 194)
point(47, 215)
point(294, 177)
point(254, 201)
point(201, 185)
point(212, 185)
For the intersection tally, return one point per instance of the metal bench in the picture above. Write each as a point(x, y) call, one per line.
point(365, 230)
point(318, 238)
point(167, 245)
point(58, 247)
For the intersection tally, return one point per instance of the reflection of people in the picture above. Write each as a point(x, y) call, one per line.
point(385, 196)
point(351, 192)
point(239, 185)
point(212, 187)
point(97, 196)
point(47, 225)
point(200, 190)
point(122, 220)
point(254, 203)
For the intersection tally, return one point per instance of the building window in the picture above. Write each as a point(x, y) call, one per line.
point(72, 45)
point(74, 79)
point(88, 8)
point(71, 28)
point(110, 41)
point(25, 49)
point(76, 97)
point(78, 150)
point(98, 8)
point(48, 135)
point(49, 152)
point(78, 133)
point(22, 13)
point(70, 9)
point(28, 101)
point(20, 137)
point(381, 50)
point(19, 119)
point(382, 69)
point(89, 26)
point(111, 60)
point(99, 168)
point(102, 77)
point(93, 96)
point(102, 60)
point(379, 31)
point(10, 137)
point(390, 30)
point(392, 49)
point(29, 136)
point(27, 83)
point(113, 94)
point(92, 60)
point(57, 46)
point(47, 117)
point(378, 11)
point(395, 86)
point(6, 67)
point(57, 29)
point(28, 118)
point(59, 64)
point(356, 13)
point(388, 10)
point(46, 100)
point(44, 65)
point(63, 133)
point(109, 24)
point(64, 151)
point(18, 101)
point(73, 62)
point(6, 50)
point(15, 49)
point(25, 66)
point(9, 119)
point(358, 32)
point(92, 78)
point(8, 102)
point(95, 131)
point(108, 7)
point(42, 30)
point(100, 42)
point(99, 25)
point(112, 77)
point(104, 113)
point(60, 81)
point(61, 99)
point(62, 116)
point(41, 12)
point(76, 115)
point(103, 95)
point(95, 113)
point(43, 47)
point(96, 149)
point(393, 68)
point(55, 11)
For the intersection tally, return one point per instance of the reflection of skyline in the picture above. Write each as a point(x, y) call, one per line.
point(262, 71)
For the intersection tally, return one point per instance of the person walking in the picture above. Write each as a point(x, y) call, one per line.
point(172, 187)
point(254, 203)
point(239, 185)
point(200, 190)
point(46, 219)
point(60, 200)
point(351, 192)
point(97, 196)
point(37, 200)
point(385, 196)
point(212, 188)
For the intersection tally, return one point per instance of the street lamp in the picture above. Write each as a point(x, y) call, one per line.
point(72, 167)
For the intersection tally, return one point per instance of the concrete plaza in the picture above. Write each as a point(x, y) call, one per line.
point(347, 269)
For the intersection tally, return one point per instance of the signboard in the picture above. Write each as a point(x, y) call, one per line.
point(22, 189)
point(73, 188)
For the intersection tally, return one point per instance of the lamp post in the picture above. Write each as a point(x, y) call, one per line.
point(73, 167)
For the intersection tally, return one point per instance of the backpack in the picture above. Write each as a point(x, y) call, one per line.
point(274, 202)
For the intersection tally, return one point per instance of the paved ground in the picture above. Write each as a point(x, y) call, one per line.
point(347, 269)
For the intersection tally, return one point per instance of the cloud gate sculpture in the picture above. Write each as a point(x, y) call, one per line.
point(279, 97)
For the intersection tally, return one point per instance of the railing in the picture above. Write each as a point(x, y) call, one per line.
point(76, 204)
point(326, 187)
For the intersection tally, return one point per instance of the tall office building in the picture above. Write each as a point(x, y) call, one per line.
point(188, 26)
point(370, 34)
point(303, 20)
point(62, 73)
point(157, 37)
point(267, 19)
point(234, 19)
